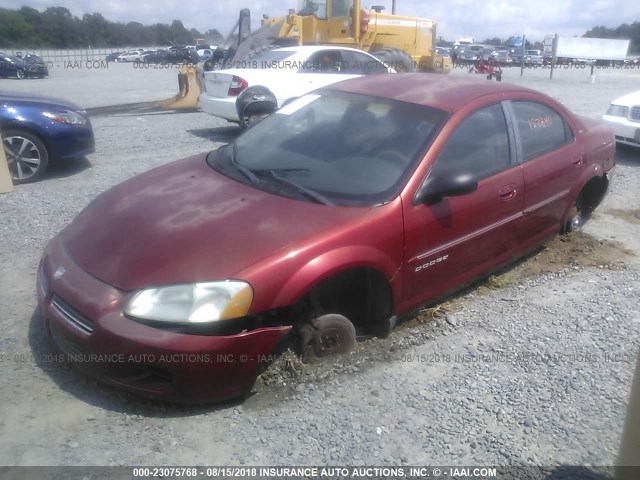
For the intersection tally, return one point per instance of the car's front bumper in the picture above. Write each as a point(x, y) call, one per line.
point(70, 141)
point(625, 131)
point(83, 317)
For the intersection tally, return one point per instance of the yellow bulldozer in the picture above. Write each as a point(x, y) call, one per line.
point(405, 43)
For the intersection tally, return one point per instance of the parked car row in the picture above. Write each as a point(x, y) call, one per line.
point(174, 55)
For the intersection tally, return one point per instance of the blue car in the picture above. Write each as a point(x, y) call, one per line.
point(37, 130)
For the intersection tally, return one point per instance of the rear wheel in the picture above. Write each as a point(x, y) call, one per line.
point(20, 74)
point(395, 58)
point(26, 154)
point(254, 104)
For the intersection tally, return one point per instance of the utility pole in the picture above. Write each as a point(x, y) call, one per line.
point(393, 7)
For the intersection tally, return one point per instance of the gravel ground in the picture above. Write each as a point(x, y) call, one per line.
point(532, 367)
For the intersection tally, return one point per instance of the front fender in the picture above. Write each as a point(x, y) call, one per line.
point(334, 262)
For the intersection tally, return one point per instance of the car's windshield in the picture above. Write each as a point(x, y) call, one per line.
point(349, 148)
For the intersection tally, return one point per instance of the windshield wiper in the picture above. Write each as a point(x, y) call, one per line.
point(306, 191)
point(244, 170)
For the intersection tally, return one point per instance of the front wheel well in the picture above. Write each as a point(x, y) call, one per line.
point(361, 294)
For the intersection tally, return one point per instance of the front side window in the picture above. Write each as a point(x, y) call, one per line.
point(324, 61)
point(479, 146)
point(541, 129)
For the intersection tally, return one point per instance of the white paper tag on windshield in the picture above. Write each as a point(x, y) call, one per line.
point(297, 104)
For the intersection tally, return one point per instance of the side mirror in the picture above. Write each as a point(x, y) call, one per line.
point(446, 184)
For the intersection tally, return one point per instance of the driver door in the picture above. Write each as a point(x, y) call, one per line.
point(454, 240)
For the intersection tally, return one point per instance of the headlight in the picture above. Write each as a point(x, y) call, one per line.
point(618, 111)
point(66, 116)
point(192, 303)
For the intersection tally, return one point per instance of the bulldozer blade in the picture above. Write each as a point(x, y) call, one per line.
point(186, 99)
point(266, 35)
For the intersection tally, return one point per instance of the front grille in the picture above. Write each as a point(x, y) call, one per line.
point(72, 316)
point(634, 113)
point(67, 344)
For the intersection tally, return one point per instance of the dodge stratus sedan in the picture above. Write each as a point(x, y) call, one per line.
point(342, 211)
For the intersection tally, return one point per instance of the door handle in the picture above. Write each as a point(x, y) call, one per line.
point(579, 162)
point(508, 192)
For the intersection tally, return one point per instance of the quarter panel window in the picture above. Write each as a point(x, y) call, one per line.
point(480, 145)
point(541, 128)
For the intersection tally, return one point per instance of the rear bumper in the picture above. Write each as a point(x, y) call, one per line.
point(223, 107)
point(83, 318)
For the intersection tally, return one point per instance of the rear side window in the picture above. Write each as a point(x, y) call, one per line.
point(541, 128)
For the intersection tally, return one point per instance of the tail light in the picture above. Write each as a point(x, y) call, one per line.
point(238, 84)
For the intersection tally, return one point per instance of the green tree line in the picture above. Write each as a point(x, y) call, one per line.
point(57, 28)
point(624, 31)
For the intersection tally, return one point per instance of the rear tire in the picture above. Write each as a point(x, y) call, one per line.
point(27, 155)
point(395, 58)
point(20, 74)
point(253, 104)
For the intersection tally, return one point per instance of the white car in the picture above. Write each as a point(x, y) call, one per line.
point(134, 56)
point(286, 73)
point(623, 117)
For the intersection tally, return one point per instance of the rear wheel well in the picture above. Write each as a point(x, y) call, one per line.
point(588, 199)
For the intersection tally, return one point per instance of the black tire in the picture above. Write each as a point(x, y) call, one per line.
point(20, 74)
point(253, 104)
point(395, 58)
point(27, 155)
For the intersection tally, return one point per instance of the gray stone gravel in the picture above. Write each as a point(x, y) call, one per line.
point(536, 372)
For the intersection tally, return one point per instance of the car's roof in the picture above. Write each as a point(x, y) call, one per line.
point(628, 100)
point(430, 89)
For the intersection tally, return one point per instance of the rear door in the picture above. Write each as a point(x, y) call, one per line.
point(460, 237)
point(551, 162)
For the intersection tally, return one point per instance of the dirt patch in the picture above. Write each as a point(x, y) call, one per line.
point(577, 250)
point(631, 216)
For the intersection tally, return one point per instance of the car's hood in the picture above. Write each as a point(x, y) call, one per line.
point(184, 222)
point(15, 98)
point(628, 100)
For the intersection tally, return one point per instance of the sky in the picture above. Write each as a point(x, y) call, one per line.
point(455, 18)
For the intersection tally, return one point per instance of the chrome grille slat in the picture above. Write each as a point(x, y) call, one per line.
point(73, 317)
point(634, 113)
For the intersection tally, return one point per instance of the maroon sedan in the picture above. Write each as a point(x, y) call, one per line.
point(345, 209)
